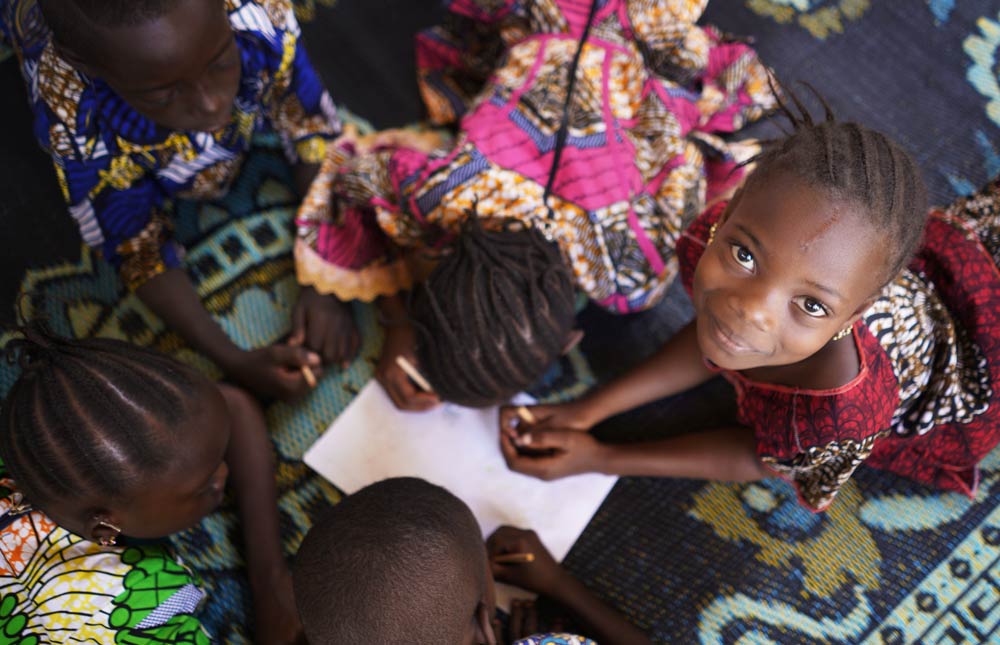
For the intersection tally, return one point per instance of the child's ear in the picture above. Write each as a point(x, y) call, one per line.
point(102, 526)
point(574, 338)
point(484, 625)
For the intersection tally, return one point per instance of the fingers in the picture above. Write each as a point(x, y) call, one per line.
point(293, 358)
point(404, 394)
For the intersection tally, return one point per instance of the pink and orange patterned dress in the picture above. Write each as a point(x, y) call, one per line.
point(924, 404)
point(642, 152)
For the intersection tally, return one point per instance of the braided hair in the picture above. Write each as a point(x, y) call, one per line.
point(92, 415)
point(72, 21)
point(493, 315)
point(854, 164)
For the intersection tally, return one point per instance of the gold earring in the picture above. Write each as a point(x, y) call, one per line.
point(843, 333)
point(112, 540)
point(711, 233)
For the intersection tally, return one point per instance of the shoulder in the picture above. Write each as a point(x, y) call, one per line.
point(266, 18)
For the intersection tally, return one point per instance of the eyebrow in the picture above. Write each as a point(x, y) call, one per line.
point(753, 238)
point(828, 290)
point(215, 58)
point(760, 249)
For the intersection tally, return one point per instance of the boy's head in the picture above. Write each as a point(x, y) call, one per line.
point(494, 314)
point(830, 215)
point(99, 434)
point(174, 61)
point(400, 562)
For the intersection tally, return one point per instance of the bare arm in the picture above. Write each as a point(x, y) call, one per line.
point(726, 454)
point(171, 296)
point(251, 465)
point(676, 367)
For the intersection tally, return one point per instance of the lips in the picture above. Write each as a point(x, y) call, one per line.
point(728, 341)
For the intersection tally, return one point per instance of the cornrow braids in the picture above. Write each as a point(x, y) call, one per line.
point(852, 163)
point(92, 415)
point(493, 314)
point(72, 21)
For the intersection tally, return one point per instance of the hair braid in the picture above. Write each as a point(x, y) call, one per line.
point(90, 415)
point(854, 164)
point(493, 315)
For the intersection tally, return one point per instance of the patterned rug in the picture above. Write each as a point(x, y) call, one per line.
point(890, 563)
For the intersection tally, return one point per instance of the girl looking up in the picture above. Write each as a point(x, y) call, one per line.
point(853, 328)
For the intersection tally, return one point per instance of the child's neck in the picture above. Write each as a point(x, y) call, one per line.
point(836, 364)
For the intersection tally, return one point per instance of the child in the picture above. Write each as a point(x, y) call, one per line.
point(585, 146)
point(402, 562)
point(106, 440)
point(142, 101)
point(853, 329)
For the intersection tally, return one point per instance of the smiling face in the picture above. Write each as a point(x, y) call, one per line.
point(786, 271)
point(180, 69)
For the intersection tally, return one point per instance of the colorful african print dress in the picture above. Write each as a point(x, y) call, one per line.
point(555, 639)
point(652, 93)
point(56, 587)
point(924, 404)
point(119, 170)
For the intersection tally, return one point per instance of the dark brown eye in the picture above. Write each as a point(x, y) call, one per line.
point(743, 257)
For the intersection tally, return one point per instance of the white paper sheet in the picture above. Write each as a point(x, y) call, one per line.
point(458, 449)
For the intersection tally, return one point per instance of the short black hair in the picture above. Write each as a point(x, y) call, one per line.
point(72, 22)
point(400, 562)
point(855, 164)
point(90, 416)
point(494, 314)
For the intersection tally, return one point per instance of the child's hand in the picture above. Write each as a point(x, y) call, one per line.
point(275, 371)
point(543, 575)
point(325, 325)
point(573, 415)
point(400, 340)
point(552, 454)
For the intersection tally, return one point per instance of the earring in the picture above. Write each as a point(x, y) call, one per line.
point(711, 233)
point(113, 539)
point(843, 333)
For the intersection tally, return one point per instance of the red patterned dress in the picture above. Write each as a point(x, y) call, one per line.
point(924, 403)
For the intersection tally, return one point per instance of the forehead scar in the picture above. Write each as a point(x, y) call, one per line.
point(821, 231)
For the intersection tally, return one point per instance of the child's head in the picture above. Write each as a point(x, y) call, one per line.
point(99, 434)
point(400, 562)
point(493, 315)
point(830, 215)
point(174, 61)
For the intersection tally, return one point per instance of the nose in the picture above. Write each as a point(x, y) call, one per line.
point(753, 307)
point(211, 102)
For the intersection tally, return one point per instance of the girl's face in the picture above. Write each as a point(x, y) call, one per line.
point(786, 271)
point(181, 69)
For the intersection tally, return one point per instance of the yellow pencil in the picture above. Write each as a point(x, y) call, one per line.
point(514, 558)
point(412, 372)
point(309, 376)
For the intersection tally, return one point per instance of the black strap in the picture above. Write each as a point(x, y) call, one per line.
point(563, 131)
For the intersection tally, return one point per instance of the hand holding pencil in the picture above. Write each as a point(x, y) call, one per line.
point(519, 558)
point(399, 372)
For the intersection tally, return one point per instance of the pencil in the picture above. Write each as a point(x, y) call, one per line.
point(412, 372)
point(514, 558)
point(525, 415)
point(309, 376)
